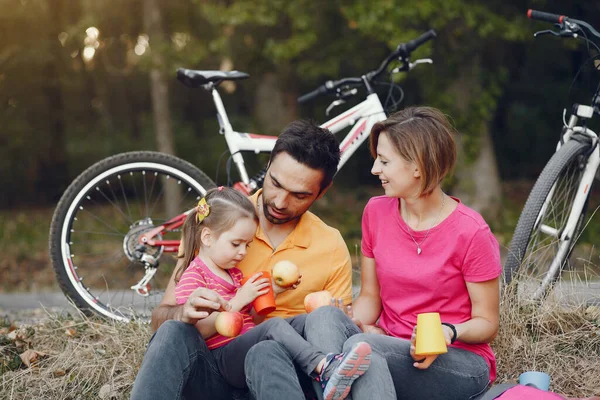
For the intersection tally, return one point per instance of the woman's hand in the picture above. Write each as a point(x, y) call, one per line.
point(200, 304)
point(423, 362)
point(254, 287)
point(339, 303)
point(279, 289)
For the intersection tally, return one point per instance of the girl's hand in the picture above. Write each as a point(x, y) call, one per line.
point(278, 289)
point(254, 287)
point(423, 362)
point(374, 329)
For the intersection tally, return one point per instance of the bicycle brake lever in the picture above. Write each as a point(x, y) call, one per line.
point(334, 104)
point(546, 32)
point(564, 32)
point(412, 65)
point(403, 68)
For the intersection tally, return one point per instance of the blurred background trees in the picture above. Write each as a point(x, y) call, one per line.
point(81, 80)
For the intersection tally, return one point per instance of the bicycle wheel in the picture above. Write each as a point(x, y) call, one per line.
point(95, 231)
point(537, 254)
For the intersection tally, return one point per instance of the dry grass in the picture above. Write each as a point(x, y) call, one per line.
point(88, 358)
point(563, 341)
point(81, 358)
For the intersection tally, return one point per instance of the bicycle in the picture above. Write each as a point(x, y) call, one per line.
point(553, 216)
point(103, 238)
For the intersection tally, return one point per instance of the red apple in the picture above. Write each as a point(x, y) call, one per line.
point(285, 273)
point(314, 300)
point(229, 323)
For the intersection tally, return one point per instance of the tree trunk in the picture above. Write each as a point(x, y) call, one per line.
point(274, 108)
point(52, 167)
point(160, 99)
point(479, 184)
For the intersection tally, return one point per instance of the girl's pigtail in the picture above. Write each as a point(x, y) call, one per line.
point(189, 242)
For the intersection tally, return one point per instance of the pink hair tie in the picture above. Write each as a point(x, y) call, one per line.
point(220, 188)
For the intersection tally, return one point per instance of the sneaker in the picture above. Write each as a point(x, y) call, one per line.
point(341, 370)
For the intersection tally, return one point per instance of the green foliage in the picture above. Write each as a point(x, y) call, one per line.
point(59, 113)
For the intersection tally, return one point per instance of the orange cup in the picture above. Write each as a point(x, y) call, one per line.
point(264, 304)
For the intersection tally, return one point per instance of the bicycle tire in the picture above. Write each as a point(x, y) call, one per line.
point(526, 251)
point(93, 228)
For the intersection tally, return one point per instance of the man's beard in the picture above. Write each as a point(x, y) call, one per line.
point(272, 219)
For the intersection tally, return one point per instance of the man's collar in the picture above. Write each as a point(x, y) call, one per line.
point(300, 236)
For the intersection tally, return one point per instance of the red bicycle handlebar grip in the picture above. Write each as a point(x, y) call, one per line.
point(544, 16)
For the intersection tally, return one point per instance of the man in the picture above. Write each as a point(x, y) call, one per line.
point(177, 361)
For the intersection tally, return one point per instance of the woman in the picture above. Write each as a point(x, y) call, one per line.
point(425, 251)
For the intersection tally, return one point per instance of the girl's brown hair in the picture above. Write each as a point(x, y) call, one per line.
point(226, 207)
point(424, 136)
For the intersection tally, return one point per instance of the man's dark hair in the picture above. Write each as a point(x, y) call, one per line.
point(311, 145)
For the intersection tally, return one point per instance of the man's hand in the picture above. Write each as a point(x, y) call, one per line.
point(423, 362)
point(339, 303)
point(200, 304)
point(278, 289)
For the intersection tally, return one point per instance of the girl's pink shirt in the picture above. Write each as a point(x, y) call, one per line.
point(460, 249)
point(199, 275)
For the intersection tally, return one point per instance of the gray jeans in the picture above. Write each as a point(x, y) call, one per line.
point(458, 374)
point(230, 358)
point(270, 371)
point(178, 364)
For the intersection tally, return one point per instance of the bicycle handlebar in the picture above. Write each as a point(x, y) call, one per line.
point(544, 16)
point(315, 93)
point(413, 44)
point(403, 50)
point(571, 23)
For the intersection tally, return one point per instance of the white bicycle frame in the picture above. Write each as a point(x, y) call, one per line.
point(589, 173)
point(363, 116)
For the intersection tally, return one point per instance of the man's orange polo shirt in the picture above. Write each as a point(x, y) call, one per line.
point(317, 249)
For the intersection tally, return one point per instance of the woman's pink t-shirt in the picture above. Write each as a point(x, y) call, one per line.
point(199, 275)
point(460, 249)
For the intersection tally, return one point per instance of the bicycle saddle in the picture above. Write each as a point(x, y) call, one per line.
point(195, 78)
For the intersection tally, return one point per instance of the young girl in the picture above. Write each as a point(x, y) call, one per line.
point(219, 231)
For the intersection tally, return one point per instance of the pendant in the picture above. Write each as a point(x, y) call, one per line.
point(418, 250)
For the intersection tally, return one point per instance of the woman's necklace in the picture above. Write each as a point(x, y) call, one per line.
point(428, 230)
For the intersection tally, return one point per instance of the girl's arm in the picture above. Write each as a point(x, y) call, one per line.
point(367, 306)
point(485, 313)
point(245, 295)
point(206, 326)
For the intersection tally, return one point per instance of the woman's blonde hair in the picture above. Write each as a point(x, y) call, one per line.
point(424, 136)
point(226, 207)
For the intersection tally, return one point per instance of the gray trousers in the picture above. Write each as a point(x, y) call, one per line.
point(230, 358)
point(458, 374)
point(270, 370)
point(178, 365)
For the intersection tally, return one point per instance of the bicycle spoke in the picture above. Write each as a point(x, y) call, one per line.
point(159, 197)
point(106, 197)
point(124, 197)
point(121, 235)
point(117, 232)
point(543, 247)
point(151, 211)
